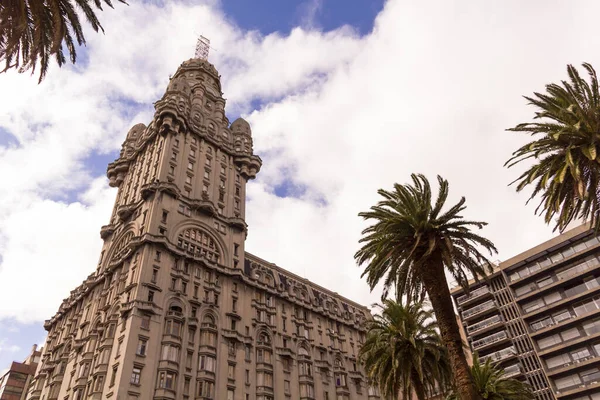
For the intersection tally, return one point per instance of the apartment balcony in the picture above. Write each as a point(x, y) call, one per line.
point(478, 293)
point(500, 355)
point(572, 391)
point(487, 341)
point(479, 310)
point(579, 363)
point(512, 371)
point(485, 325)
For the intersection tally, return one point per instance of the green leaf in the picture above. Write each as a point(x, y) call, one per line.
point(592, 151)
point(563, 173)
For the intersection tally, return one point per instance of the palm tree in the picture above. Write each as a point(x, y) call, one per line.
point(412, 243)
point(33, 31)
point(566, 162)
point(403, 353)
point(492, 385)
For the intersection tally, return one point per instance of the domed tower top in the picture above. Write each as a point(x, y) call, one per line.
point(242, 135)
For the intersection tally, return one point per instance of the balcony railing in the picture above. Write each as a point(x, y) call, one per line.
point(475, 293)
point(480, 308)
point(496, 337)
point(483, 324)
point(511, 371)
point(500, 355)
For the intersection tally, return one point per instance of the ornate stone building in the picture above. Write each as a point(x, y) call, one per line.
point(176, 308)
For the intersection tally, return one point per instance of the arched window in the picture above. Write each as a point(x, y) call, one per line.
point(264, 339)
point(208, 319)
point(200, 243)
point(302, 351)
point(122, 246)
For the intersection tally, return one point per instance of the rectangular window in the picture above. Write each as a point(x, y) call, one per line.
point(141, 347)
point(191, 166)
point(186, 386)
point(150, 296)
point(188, 179)
point(207, 363)
point(171, 170)
point(166, 380)
point(229, 394)
point(136, 375)
point(192, 153)
point(231, 371)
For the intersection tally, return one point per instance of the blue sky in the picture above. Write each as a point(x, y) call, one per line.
point(265, 16)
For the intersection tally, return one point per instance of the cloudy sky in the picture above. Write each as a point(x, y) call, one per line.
point(342, 102)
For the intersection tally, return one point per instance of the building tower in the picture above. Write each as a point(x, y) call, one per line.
point(176, 308)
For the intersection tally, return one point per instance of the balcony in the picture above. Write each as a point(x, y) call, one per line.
point(500, 355)
point(512, 371)
point(478, 310)
point(475, 294)
point(495, 338)
point(486, 323)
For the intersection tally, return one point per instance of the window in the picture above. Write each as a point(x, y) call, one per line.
point(150, 296)
point(170, 353)
point(192, 153)
point(171, 170)
point(231, 371)
point(188, 359)
point(558, 361)
point(188, 179)
point(154, 275)
point(195, 291)
point(84, 369)
point(264, 379)
point(247, 376)
point(166, 380)
point(173, 328)
point(141, 347)
point(207, 363)
point(570, 334)
point(340, 380)
point(567, 381)
point(186, 386)
point(248, 352)
point(222, 169)
point(552, 298)
point(208, 338)
point(176, 143)
point(286, 387)
point(234, 305)
point(549, 341)
point(145, 322)
point(136, 375)
point(99, 383)
point(205, 389)
point(307, 390)
point(229, 394)
point(190, 166)
point(237, 204)
point(206, 174)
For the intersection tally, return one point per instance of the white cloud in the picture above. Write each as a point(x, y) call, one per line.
point(8, 348)
point(430, 90)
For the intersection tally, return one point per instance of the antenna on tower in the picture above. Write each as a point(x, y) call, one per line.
point(202, 47)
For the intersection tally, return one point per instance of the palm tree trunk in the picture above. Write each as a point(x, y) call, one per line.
point(434, 281)
point(418, 386)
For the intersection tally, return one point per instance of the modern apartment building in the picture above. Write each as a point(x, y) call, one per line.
point(538, 316)
point(14, 383)
point(176, 308)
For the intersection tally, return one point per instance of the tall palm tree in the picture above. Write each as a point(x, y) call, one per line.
point(493, 385)
point(33, 31)
point(411, 245)
point(403, 352)
point(566, 161)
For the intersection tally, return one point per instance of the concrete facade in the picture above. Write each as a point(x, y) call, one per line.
point(176, 308)
point(14, 383)
point(538, 316)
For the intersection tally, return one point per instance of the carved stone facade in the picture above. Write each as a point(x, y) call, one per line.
point(177, 309)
